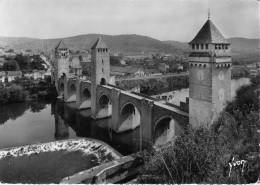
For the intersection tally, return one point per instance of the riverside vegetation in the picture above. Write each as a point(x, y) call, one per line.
point(205, 154)
point(23, 89)
point(154, 86)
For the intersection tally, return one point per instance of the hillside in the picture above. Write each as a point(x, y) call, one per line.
point(123, 43)
point(242, 48)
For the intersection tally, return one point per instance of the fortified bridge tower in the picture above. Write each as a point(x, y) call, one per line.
point(100, 72)
point(61, 62)
point(209, 75)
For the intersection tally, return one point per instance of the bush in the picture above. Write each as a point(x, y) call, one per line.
point(190, 159)
point(13, 94)
point(202, 156)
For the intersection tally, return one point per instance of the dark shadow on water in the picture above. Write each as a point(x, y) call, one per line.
point(49, 167)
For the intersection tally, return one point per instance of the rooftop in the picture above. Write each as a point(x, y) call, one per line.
point(2, 73)
point(14, 73)
point(99, 44)
point(209, 34)
point(61, 45)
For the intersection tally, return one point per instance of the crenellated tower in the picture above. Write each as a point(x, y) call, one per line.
point(61, 62)
point(209, 75)
point(100, 71)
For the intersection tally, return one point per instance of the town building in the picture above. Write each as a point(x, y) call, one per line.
point(163, 68)
point(128, 71)
point(2, 76)
point(153, 72)
point(11, 75)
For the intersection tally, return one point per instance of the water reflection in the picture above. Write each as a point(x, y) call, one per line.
point(67, 116)
point(14, 111)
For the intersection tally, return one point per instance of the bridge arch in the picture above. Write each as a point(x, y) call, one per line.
point(104, 100)
point(165, 129)
point(130, 117)
point(105, 106)
point(72, 90)
point(85, 95)
point(61, 88)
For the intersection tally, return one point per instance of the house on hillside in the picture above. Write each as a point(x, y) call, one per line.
point(137, 72)
point(11, 75)
point(153, 72)
point(85, 57)
point(38, 74)
point(177, 67)
point(2, 61)
point(127, 71)
point(2, 76)
point(75, 65)
point(120, 71)
point(123, 62)
point(163, 68)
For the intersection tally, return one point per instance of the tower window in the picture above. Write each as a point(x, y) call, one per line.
point(193, 46)
point(207, 46)
point(197, 46)
point(102, 70)
point(102, 61)
point(202, 46)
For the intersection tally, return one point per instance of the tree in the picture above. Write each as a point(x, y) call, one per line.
point(114, 61)
point(11, 66)
point(10, 51)
point(23, 61)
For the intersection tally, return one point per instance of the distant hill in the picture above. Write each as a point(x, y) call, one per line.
point(243, 44)
point(122, 43)
point(13, 41)
point(241, 48)
point(181, 45)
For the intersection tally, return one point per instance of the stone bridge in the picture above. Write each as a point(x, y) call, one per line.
point(158, 122)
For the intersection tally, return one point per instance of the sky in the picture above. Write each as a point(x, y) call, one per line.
point(178, 20)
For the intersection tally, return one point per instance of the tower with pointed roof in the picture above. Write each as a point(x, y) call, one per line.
point(61, 62)
point(209, 75)
point(100, 71)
